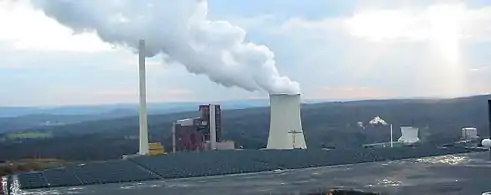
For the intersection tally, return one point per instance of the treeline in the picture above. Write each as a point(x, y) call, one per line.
point(325, 125)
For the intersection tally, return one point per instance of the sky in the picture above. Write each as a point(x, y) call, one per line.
point(350, 49)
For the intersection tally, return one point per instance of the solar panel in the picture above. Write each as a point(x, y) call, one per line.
point(32, 180)
point(210, 163)
point(61, 177)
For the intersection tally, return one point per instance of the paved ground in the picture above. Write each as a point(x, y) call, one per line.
point(450, 175)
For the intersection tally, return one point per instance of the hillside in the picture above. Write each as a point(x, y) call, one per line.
point(325, 124)
point(21, 118)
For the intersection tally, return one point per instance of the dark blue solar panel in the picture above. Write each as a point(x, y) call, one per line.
point(32, 180)
point(196, 164)
point(111, 172)
point(61, 177)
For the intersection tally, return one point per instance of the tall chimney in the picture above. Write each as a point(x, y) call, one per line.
point(213, 127)
point(173, 137)
point(285, 125)
point(143, 99)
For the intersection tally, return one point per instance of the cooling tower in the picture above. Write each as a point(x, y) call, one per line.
point(409, 135)
point(143, 100)
point(285, 125)
point(469, 133)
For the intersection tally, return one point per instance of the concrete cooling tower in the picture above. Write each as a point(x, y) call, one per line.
point(285, 127)
point(409, 135)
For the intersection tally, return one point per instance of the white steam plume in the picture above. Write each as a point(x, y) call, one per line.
point(180, 30)
point(378, 120)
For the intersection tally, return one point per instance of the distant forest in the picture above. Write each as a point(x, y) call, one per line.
point(333, 124)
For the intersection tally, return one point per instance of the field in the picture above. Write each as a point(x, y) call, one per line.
point(28, 135)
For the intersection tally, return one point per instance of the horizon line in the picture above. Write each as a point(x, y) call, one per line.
point(320, 100)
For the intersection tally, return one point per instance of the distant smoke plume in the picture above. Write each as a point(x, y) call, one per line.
point(180, 30)
point(361, 125)
point(377, 120)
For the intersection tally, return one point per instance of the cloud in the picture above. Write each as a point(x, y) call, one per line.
point(24, 28)
point(480, 69)
point(419, 50)
point(357, 50)
point(403, 24)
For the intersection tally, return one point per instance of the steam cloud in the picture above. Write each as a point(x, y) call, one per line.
point(180, 30)
point(377, 120)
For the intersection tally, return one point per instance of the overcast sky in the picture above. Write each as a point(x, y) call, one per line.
point(344, 49)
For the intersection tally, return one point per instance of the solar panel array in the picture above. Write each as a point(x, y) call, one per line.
point(197, 164)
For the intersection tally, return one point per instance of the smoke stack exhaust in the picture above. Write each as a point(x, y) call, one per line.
point(143, 99)
point(285, 130)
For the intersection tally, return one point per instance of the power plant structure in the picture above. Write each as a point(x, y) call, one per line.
point(143, 141)
point(469, 133)
point(409, 135)
point(285, 130)
point(200, 133)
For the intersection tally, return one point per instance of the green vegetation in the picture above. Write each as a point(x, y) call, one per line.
point(28, 135)
point(325, 125)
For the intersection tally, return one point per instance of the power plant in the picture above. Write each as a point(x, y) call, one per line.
point(196, 141)
point(205, 132)
point(200, 133)
point(285, 130)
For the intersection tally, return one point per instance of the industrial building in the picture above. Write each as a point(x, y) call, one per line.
point(200, 133)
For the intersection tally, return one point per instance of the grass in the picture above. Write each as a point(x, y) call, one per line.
point(28, 135)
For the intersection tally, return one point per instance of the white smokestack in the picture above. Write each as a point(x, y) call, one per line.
point(174, 137)
point(409, 135)
point(213, 128)
point(181, 30)
point(143, 100)
point(391, 137)
point(285, 130)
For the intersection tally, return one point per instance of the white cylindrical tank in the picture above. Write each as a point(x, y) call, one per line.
point(486, 143)
point(285, 126)
point(409, 135)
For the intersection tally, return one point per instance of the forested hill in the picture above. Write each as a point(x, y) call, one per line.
point(325, 124)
